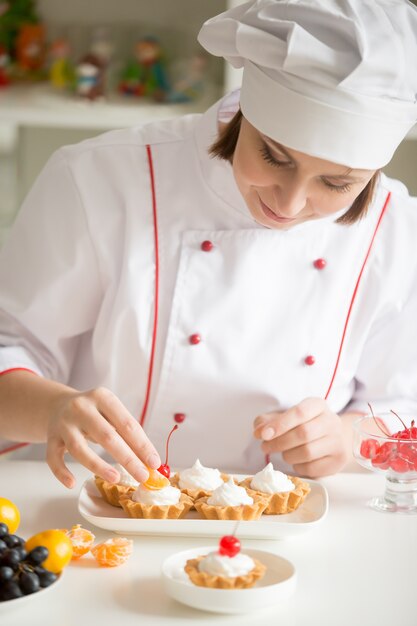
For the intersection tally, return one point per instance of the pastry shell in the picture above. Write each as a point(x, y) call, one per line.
point(156, 511)
point(111, 492)
point(284, 501)
point(203, 579)
point(242, 511)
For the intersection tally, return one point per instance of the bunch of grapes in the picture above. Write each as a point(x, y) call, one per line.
point(21, 572)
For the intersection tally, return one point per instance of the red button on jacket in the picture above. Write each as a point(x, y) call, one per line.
point(320, 264)
point(194, 339)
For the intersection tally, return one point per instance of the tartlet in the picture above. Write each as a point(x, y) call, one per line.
point(231, 501)
point(198, 481)
point(111, 492)
point(218, 581)
point(154, 510)
point(278, 502)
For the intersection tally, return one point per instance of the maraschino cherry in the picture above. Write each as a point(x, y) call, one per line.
point(400, 456)
point(165, 469)
point(229, 545)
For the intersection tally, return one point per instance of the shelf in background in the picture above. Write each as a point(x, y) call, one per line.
point(41, 106)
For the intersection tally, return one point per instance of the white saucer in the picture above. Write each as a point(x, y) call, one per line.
point(277, 584)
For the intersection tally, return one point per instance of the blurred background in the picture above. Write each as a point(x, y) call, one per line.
point(71, 70)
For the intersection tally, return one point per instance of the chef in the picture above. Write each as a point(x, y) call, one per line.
point(250, 276)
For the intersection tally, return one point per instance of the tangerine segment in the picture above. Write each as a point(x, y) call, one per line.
point(113, 552)
point(81, 539)
point(156, 480)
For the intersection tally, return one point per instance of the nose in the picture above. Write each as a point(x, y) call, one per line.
point(290, 198)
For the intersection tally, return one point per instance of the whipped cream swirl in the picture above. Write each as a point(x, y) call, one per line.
point(271, 481)
point(219, 565)
point(125, 479)
point(229, 494)
point(200, 477)
point(160, 497)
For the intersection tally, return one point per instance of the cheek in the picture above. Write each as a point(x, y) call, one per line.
point(249, 169)
point(332, 201)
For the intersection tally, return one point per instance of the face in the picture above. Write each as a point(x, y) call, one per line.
point(284, 187)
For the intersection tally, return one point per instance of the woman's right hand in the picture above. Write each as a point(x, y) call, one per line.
point(98, 416)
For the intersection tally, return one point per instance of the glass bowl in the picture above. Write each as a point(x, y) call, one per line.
point(383, 444)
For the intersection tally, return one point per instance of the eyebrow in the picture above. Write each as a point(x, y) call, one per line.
point(345, 176)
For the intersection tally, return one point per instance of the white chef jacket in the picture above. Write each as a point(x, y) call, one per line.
point(78, 279)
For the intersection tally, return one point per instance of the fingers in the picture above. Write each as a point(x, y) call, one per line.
point(307, 452)
point(303, 434)
point(99, 416)
point(309, 436)
point(276, 424)
point(132, 441)
point(324, 466)
point(55, 458)
point(77, 446)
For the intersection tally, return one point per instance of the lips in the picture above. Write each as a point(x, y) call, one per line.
point(273, 216)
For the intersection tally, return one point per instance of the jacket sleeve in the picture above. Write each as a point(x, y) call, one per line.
point(387, 373)
point(50, 286)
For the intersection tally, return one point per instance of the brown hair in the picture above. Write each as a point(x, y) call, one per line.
point(224, 148)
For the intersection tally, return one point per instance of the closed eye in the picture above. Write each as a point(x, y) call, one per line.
point(339, 188)
point(267, 156)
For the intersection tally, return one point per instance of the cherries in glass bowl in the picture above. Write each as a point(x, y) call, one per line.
point(387, 443)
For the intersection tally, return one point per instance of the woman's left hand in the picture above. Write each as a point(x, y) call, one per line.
point(309, 436)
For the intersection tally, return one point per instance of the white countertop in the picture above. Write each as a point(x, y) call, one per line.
point(357, 567)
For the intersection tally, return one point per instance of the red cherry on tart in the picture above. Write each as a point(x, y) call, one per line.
point(165, 469)
point(229, 545)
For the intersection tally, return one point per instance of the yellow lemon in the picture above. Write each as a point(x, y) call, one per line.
point(9, 514)
point(59, 547)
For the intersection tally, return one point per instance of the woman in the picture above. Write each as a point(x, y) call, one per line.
point(254, 281)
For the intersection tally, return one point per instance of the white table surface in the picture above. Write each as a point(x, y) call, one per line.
point(358, 567)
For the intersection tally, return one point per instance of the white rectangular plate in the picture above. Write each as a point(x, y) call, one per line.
point(98, 512)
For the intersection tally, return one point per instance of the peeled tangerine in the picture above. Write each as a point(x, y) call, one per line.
point(81, 539)
point(156, 480)
point(113, 552)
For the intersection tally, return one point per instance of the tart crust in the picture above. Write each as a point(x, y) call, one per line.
point(203, 579)
point(156, 511)
point(111, 492)
point(242, 511)
point(282, 502)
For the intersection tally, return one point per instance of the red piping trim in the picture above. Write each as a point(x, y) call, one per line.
point(355, 291)
point(15, 446)
point(17, 369)
point(156, 306)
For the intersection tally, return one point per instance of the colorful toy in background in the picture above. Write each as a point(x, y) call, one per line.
point(4, 67)
point(191, 80)
point(31, 51)
point(61, 71)
point(26, 55)
point(91, 72)
point(23, 37)
point(145, 74)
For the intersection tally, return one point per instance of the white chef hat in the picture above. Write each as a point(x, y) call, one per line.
point(336, 79)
